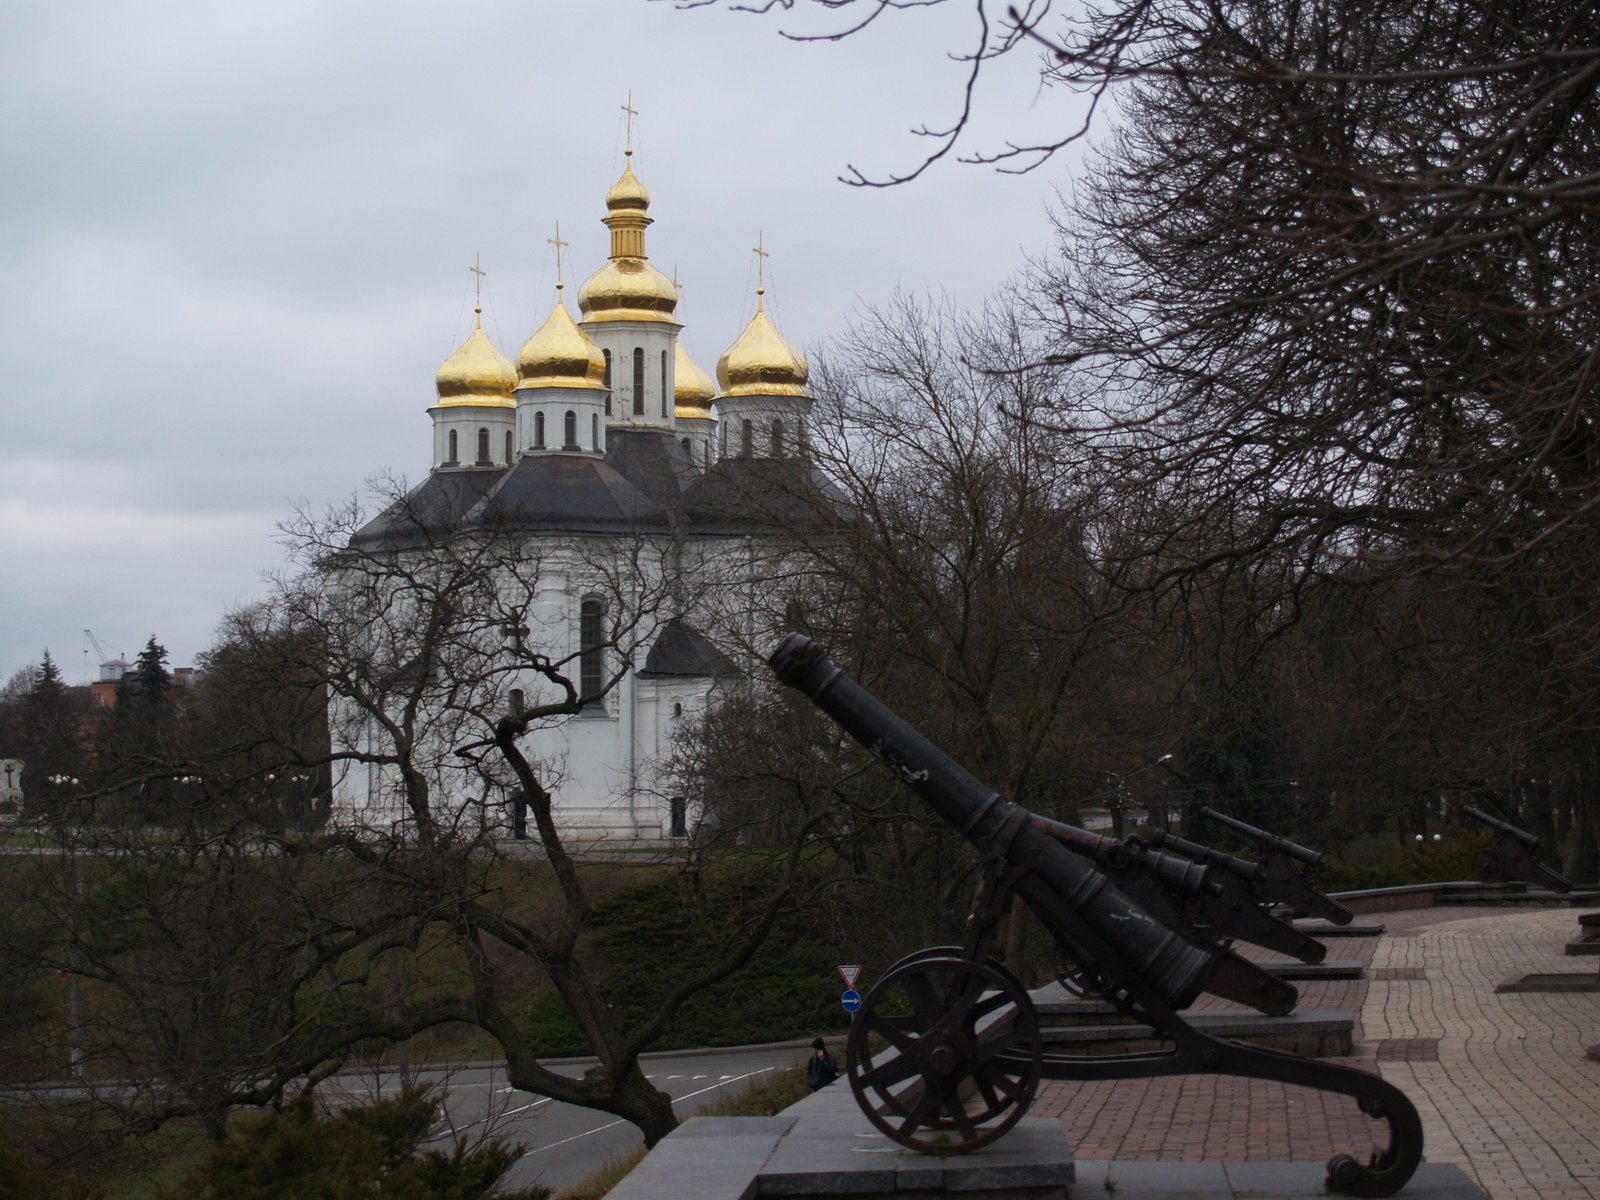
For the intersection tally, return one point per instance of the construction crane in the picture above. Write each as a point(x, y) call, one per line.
point(111, 669)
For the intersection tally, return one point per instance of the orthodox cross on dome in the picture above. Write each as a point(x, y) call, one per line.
point(477, 269)
point(632, 113)
point(558, 243)
point(762, 254)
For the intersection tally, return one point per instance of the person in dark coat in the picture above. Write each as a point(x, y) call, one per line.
point(821, 1069)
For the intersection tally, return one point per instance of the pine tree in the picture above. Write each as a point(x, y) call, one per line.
point(373, 1152)
point(49, 676)
point(154, 680)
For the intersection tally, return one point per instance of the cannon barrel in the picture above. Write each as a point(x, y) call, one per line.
point(1261, 837)
point(1513, 854)
point(1242, 867)
point(1180, 875)
point(1061, 889)
point(1529, 840)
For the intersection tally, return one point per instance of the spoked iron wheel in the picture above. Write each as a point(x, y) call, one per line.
point(959, 1057)
point(1081, 980)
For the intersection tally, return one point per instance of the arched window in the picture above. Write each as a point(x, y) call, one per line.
point(483, 446)
point(801, 447)
point(747, 446)
point(665, 396)
point(777, 439)
point(508, 447)
point(606, 379)
point(538, 431)
point(450, 458)
point(569, 430)
point(680, 816)
point(591, 662)
point(518, 701)
point(594, 431)
point(686, 445)
point(724, 439)
point(638, 381)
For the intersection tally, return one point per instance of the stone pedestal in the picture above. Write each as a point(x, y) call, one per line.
point(824, 1149)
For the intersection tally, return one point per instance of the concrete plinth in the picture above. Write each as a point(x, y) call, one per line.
point(824, 1149)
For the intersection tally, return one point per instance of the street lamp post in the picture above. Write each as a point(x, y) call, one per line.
point(1119, 802)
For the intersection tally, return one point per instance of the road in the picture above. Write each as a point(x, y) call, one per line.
point(563, 1143)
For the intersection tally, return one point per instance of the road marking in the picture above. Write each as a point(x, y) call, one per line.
point(614, 1124)
point(573, 1138)
point(715, 1086)
point(510, 1112)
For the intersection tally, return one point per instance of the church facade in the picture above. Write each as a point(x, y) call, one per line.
point(646, 505)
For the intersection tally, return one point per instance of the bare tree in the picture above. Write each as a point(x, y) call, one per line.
point(239, 958)
point(1333, 274)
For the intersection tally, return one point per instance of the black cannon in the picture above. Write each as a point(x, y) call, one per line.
point(1274, 877)
point(1512, 854)
point(946, 1053)
point(1197, 897)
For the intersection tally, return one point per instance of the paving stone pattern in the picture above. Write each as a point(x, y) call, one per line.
point(1506, 1093)
point(1408, 1050)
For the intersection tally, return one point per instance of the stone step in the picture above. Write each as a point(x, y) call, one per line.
point(1328, 968)
point(1312, 1032)
point(1326, 929)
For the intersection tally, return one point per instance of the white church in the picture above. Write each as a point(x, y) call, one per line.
point(605, 450)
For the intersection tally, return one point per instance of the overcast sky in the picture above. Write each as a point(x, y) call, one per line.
point(234, 242)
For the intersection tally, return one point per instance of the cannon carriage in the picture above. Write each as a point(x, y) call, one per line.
point(946, 1053)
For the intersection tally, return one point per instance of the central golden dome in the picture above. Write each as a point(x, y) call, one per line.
point(692, 389)
point(476, 373)
point(761, 362)
point(627, 288)
point(559, 354)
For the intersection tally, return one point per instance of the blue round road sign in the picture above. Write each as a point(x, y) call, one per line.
point(851, 1000)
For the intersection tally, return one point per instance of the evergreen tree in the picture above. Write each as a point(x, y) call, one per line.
point(154, 681)
point(48, 680)
point(373, 1152)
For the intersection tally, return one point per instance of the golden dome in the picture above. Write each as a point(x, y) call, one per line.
point(477, 373)
point(627, 288)
point(627, 191)
point(559, 354)
point(761, 362)
point(692, 388)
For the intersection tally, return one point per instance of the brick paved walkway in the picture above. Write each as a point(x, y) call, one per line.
point(1500, 1080)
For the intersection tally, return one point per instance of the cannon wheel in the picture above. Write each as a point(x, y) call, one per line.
point(1079, 978)
point(961, 1057)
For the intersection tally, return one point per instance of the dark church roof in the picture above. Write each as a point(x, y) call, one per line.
point(755, 494)
point(565, 492)
point(646, 481)
point(438, 503)
point(680, 650)
point(652, 460)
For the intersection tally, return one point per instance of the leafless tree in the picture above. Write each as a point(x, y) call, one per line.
point(234, 959)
